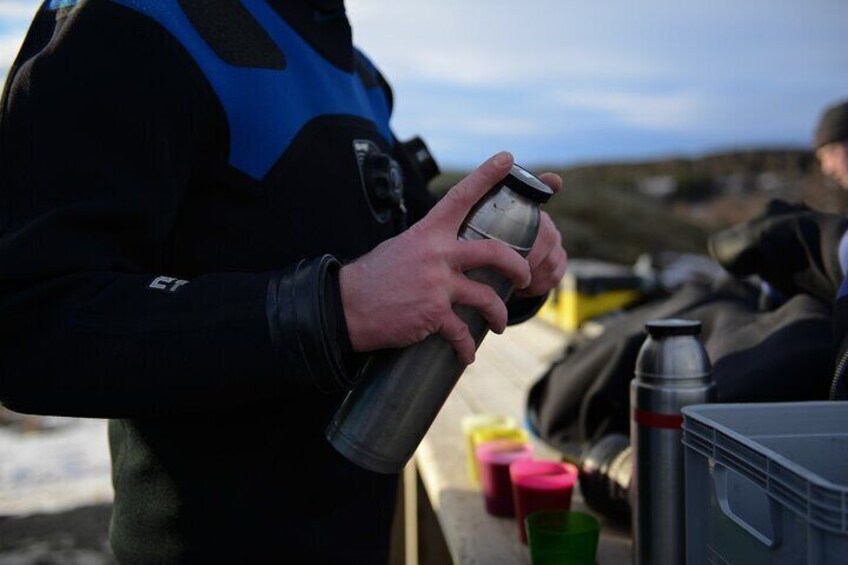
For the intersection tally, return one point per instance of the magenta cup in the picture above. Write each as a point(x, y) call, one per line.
point(494, 458)
point(540, 485)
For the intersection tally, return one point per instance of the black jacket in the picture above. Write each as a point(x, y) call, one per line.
point(174, 173)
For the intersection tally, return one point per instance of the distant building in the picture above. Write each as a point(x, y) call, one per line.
point(735, 183)
point(660, 186)
point(771, 181)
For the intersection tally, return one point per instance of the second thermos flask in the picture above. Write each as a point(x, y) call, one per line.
point(672, 371)
point(384, 418)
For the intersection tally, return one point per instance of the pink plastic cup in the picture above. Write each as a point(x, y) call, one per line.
point(494, 458)
point(540, 485)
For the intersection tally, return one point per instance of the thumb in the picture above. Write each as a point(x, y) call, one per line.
point(452, 209)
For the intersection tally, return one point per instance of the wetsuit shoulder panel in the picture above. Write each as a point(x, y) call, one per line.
point(266, 108)
point(234, 35)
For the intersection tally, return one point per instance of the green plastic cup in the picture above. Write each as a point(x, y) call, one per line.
point(562, 537)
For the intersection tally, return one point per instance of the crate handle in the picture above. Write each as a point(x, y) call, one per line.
point(743, 501)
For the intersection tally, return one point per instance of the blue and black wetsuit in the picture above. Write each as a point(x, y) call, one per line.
point(175, 174)
point(796, 249)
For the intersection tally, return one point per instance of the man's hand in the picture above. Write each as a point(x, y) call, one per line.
point(405, 289)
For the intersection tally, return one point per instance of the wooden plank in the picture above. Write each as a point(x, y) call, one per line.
point(524, 352)
point(541, 340)
point(485, 388)
point(410, 513)
point(473, 536)
point(507, 365)
point(498, 382)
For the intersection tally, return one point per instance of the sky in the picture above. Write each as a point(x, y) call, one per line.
point(570, 81)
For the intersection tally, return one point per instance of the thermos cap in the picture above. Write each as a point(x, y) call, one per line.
point(527, 184)
point(672, 327)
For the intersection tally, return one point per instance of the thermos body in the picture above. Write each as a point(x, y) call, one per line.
point(384, 418)
point(672, 371)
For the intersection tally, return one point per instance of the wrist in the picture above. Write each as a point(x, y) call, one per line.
point(355, 319)
point(304, 315)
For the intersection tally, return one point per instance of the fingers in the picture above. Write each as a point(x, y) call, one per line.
point(455, 205)
point(484, 299)
point(455, 331)
point(547, 259)
point(548, 238)
point(493, 254)
point(553, 180)
point(406, 288)
point(548, 273)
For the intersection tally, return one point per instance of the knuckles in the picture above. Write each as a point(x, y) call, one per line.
point(458, 197)
point(431, 315)
point(460, 332)
point(434, 281)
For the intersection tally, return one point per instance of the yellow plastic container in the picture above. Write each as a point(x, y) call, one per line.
point(503, 427)
point(484, 435)
point(590, 289)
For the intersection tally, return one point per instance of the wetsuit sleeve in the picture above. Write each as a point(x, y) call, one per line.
point(839, 383)
point(106, 128)
point(792, 247)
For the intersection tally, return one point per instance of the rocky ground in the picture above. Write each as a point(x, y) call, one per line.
point(54, 491)
point(73, 537)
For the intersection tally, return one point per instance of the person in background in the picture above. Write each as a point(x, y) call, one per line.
point(203, 232)
point(794, 248)
point(832, 151)
point(831, 143)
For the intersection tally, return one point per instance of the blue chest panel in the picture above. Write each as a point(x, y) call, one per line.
point(59, 4)
point(266, 108)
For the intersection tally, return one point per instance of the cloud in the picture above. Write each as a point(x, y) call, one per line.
point(10, 44)
point(478, 65)
point(15, 16)
point(502, 126)
point(670, 111)
point(17, 10)
point(660, 74)
point(489, 43)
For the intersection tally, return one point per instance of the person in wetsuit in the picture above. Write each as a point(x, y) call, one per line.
point(831, 141)
point(796, 249)
point(191, 244)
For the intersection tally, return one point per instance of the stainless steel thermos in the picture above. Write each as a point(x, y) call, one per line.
point(384, 418)
point(672, 371)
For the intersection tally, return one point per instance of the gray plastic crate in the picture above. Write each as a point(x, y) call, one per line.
point(766, 483)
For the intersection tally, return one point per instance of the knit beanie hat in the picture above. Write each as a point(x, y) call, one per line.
point(833, 125)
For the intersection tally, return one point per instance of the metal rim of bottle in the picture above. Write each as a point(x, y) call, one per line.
point(670, 327)
point(527, 184)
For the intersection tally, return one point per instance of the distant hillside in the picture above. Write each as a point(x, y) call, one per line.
point(617, 211)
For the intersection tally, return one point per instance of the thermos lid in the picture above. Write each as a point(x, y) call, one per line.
point(672, 327)
point(528, 185)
